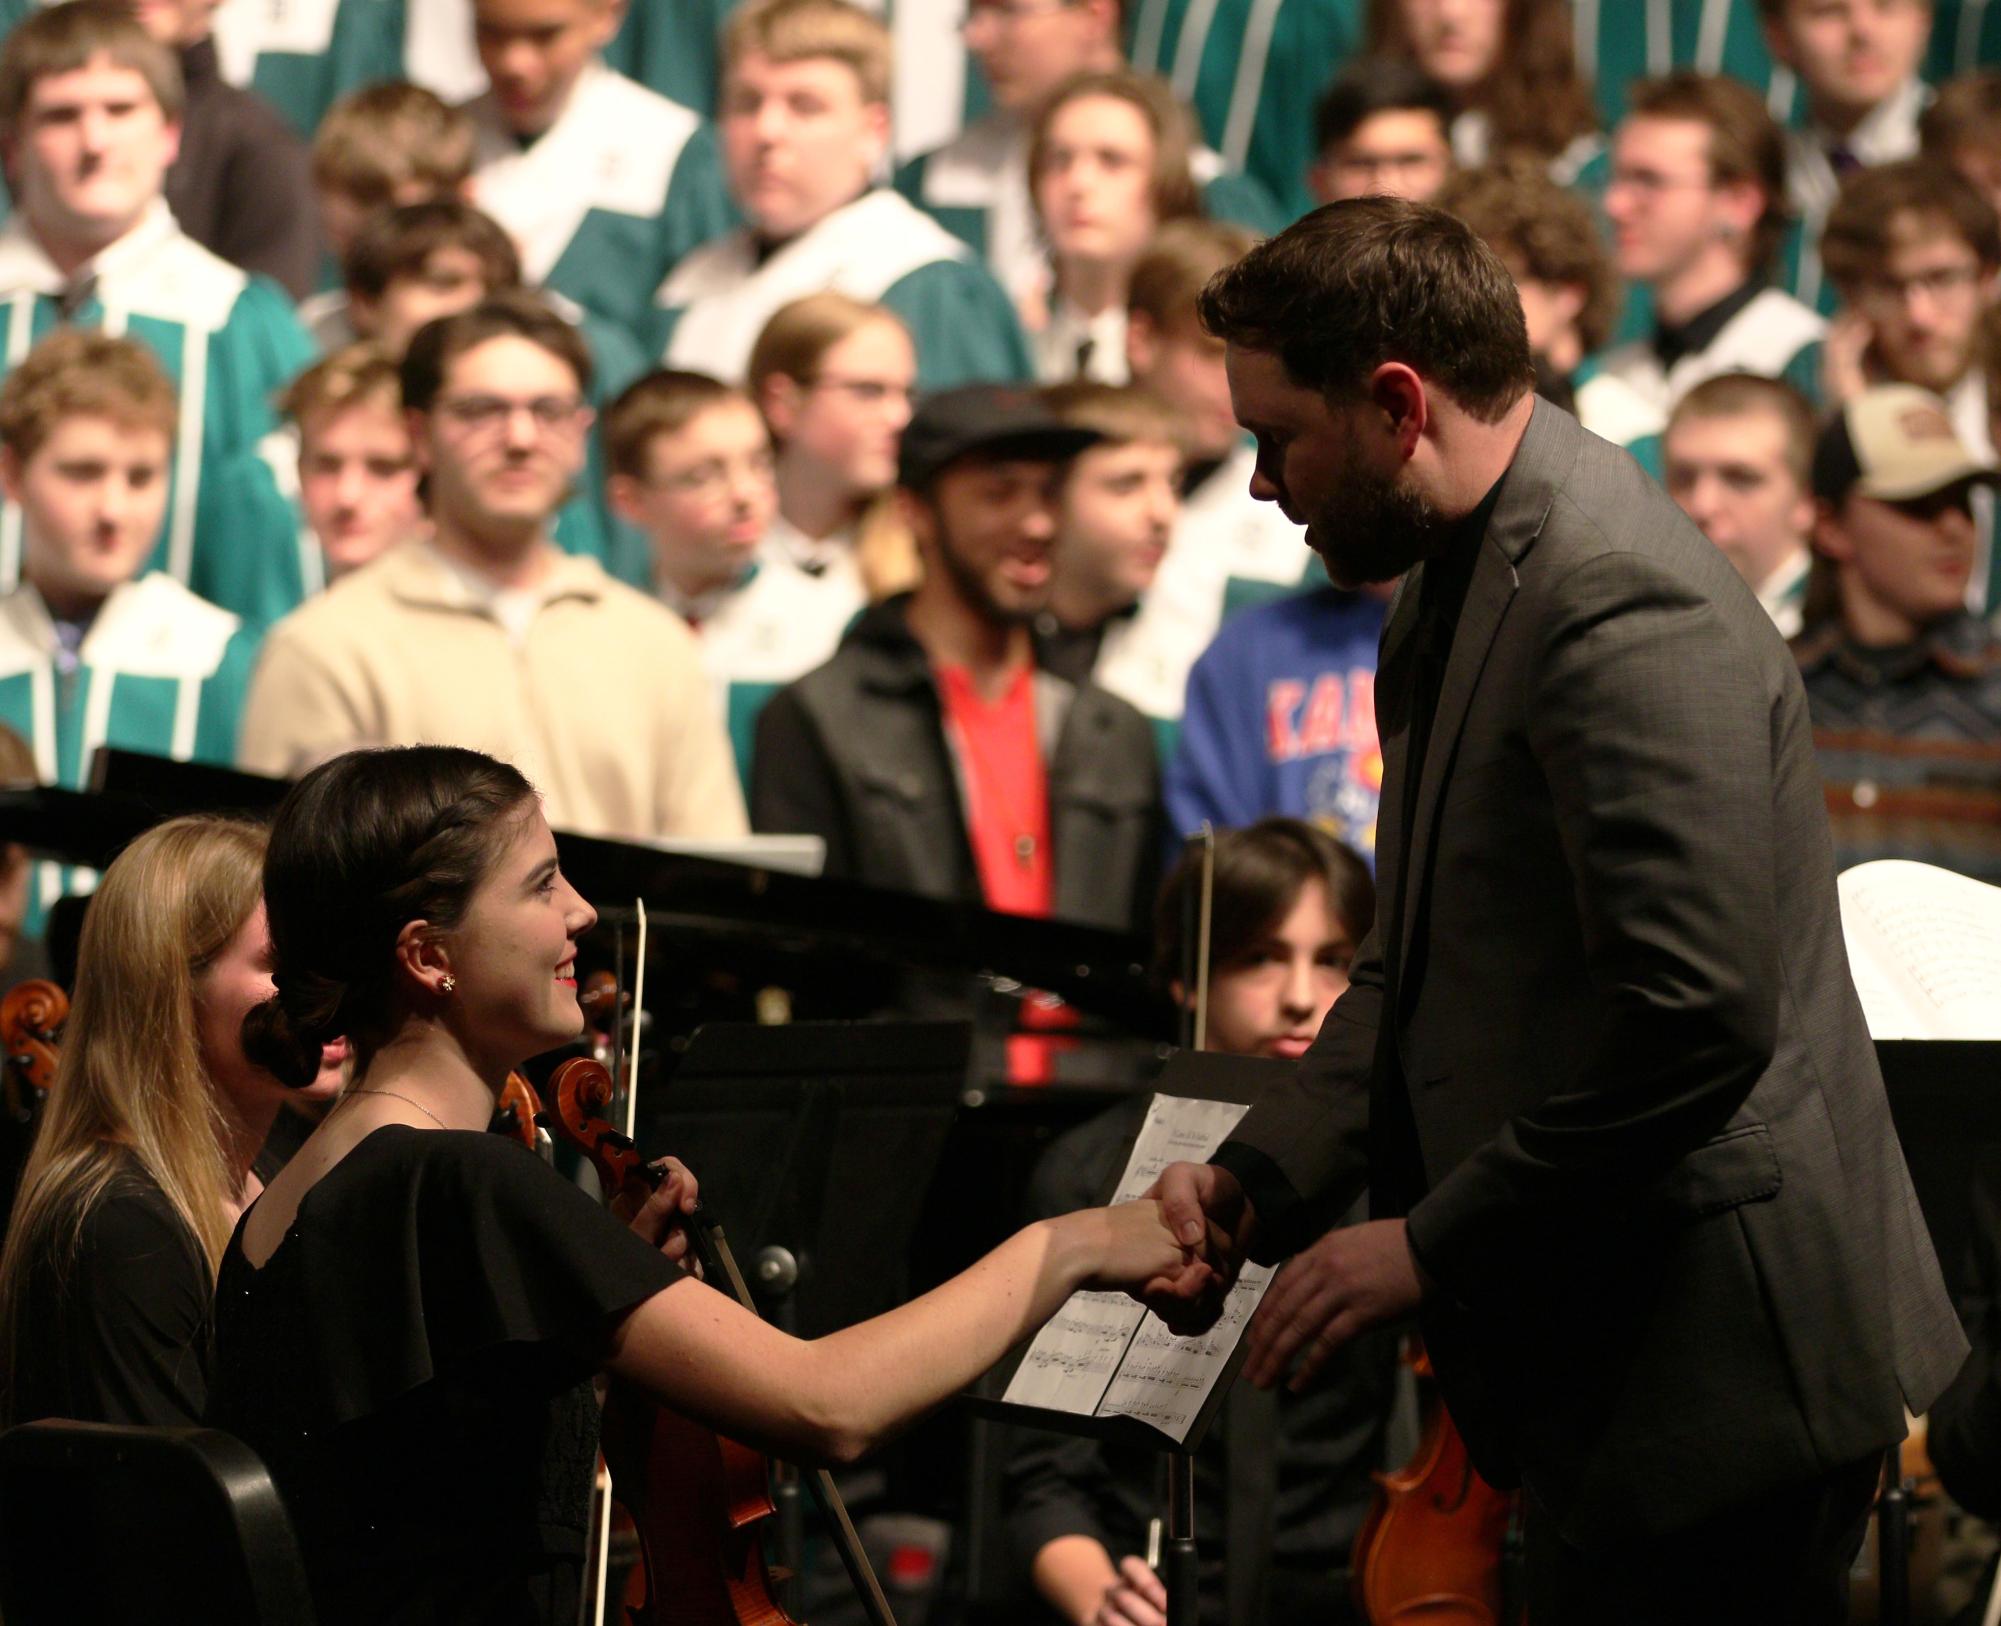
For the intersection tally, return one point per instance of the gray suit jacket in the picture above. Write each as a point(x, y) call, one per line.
point(1679, 1256)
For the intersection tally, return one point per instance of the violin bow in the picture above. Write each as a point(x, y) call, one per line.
point(719, 1265)
point(1207, 836)
point(601, 1492)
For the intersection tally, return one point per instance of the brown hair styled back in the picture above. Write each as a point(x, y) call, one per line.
point(1169, 277)
point(78, 373)
point(1539, 103)
point(359, 374)
point(661, 403)
point(796, 339)
point(64, 38)
point(1879, 205)
point(360, 847)
point(1172, 188)
point(514, 314)
point(1745, 144)
point(1260, 872)
point(381, 139)
point(1370, 280)
point(397, 242)
point(1545, 229)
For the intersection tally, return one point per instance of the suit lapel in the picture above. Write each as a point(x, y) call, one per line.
point(1393, 699)
point(1488, 595)
point(1548, 448)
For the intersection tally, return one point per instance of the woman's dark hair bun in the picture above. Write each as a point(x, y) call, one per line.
point(286, 1047)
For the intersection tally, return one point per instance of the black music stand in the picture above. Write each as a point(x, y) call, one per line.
point(815, 1143)
point(1945, 1098)
point(1204, 1076)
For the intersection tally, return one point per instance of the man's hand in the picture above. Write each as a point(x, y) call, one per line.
point(1351, 1279)
point(1843, 370)
point(1207, 1211)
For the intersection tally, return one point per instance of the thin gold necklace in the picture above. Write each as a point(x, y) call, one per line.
point(419, 1105)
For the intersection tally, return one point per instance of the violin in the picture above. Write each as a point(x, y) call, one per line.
point(518, 1115)
point(695, 1498)
point(1431, 1549)
point(31, 1021)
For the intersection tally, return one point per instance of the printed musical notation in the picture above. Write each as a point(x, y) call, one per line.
point(1165, 1380)
point(1076, 1353)
point(1103, 1354)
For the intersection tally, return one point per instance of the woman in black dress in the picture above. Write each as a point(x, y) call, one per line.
point(408, 1321)
point(143, 1156)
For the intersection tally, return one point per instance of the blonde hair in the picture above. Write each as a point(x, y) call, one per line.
point(383, 137)
point(359, 374)
point(792, 345)
point(797, 30)
point(1122, 414)
point(796, 339)
point(130, 1082)
point(75, 373)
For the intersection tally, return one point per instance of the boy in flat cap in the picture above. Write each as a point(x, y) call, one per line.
point(1903, 683)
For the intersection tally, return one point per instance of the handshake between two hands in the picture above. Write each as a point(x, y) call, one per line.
point(1353, 1278)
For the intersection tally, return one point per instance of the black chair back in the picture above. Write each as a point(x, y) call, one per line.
point(109, 1523)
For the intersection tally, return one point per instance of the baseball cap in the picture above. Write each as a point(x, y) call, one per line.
point(1894, 442)
point(994, 420)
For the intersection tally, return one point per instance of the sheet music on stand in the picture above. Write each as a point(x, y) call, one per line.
point(1103, 1355)
point(1924, 950)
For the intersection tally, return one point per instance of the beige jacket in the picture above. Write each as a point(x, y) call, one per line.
point(603, 704)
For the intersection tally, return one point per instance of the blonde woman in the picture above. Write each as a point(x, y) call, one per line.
point(833, 377)
point(142, 1161)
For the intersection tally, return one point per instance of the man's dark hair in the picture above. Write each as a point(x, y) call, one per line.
point(1879, 206)
point(1370, 280)
point(360, 847)
point(1546, 229)
point(1382, 84)
point(397, 242)
point(515, 315)
point(1965, 113)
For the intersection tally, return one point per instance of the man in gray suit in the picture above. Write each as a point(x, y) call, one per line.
point(1601, 1057)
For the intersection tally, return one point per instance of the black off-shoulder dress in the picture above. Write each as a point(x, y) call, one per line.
point(413, 1362)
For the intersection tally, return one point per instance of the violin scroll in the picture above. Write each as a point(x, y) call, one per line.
point(582, 1089)
point(31, 1021)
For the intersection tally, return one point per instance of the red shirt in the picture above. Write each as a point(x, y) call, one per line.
point(1007, 822)
point(1007, 788)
